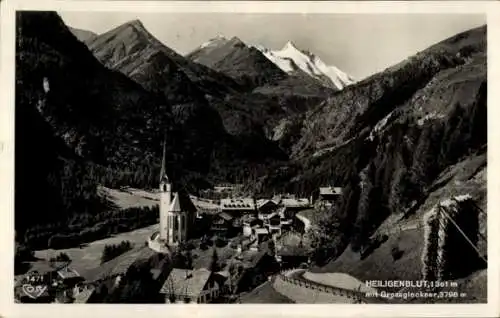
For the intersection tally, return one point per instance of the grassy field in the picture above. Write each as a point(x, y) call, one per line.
point(89, 256)
point(130, 197)
point(380, 264)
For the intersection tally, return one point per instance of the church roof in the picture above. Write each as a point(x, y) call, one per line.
point(182, 203)
point(163, 172)
point(176, 204)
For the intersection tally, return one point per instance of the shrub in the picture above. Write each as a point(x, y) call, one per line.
point(203, 246)
point(396, 253)
point(220, 242)
point(61, 257)
point(114, 250)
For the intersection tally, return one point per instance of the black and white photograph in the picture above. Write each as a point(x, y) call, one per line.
point(250, 158)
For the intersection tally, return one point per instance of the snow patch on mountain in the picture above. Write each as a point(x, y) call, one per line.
point(291, 59)
point(430, 116)
point(219, 39)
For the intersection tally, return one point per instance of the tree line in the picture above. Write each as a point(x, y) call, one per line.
point(82, 228)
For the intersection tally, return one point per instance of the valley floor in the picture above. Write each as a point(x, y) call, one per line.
point(89, 256)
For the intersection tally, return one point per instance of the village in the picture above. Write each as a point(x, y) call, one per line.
point(205, 251)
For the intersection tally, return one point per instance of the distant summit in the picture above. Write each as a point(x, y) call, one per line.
point(235, 58)
point(291, 59)
point(214, 42)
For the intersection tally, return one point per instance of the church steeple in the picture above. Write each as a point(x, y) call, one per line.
point(163, 172)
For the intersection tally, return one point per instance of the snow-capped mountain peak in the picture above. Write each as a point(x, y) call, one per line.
point(292, 59)
point(217, 40)
point(289, 46)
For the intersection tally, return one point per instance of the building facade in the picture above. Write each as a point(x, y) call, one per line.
point(177, 215)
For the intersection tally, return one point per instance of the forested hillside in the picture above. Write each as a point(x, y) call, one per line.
point(387, 138)
point(78, 125)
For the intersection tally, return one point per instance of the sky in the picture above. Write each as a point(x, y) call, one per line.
point(358, 44)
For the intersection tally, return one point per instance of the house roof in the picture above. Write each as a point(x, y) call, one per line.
point(252, 258)
point(247, 218)
point(84, 295)
point(225, 216)
point(330, 191)
point(186, 282)
point(67, 272)
point(276, 199)
point(273, 215)
point(261, 230)
point(237, 204)
point(263, 202)
point(224, 273)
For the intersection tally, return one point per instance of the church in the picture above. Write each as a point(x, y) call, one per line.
point(177, 215)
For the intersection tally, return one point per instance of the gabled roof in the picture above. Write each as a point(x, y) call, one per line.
point(290, 202)
point(237, 204)
point(273, 215)
point(175, 206)
point(182, 203)
point(84, 295)
point(261, 230)
point(264, 202)
point(186, 282)
point(252, 258)
point(185, 201)
point(225, 216)
point(67, 272)
point(276, 199)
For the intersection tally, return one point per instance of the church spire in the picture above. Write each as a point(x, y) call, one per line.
point(163, 172)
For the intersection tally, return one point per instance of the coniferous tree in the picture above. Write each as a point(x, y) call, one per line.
point(214, 265)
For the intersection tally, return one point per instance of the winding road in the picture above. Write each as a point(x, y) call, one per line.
point(304, 287)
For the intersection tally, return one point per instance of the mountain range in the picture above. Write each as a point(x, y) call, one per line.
point(277, 121)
